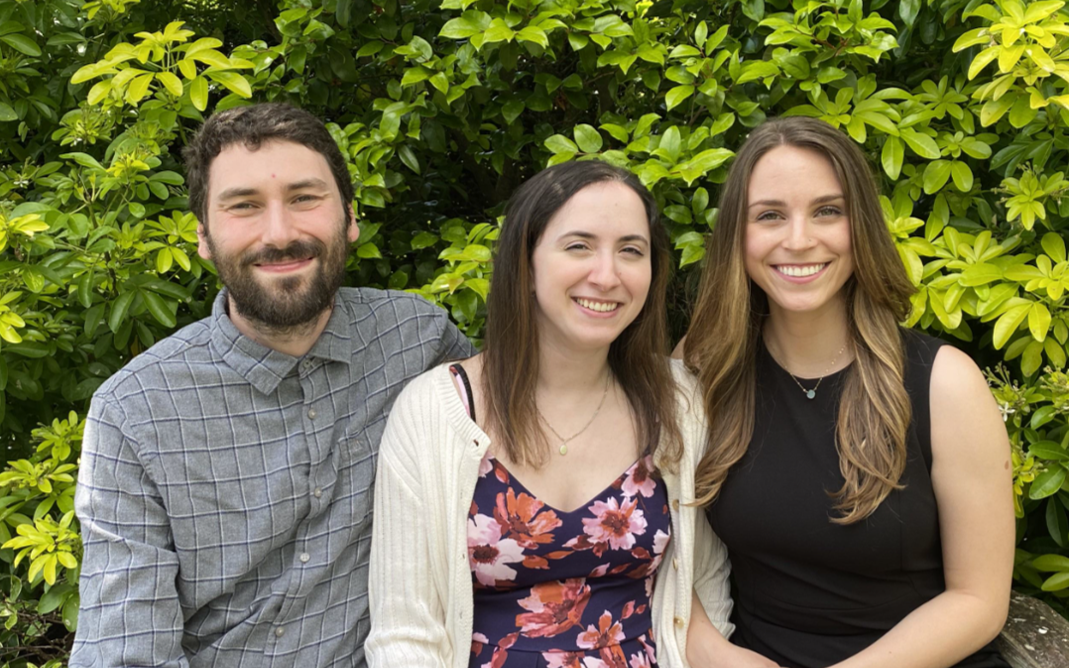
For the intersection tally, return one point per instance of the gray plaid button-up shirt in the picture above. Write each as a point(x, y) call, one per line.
point(225, 491)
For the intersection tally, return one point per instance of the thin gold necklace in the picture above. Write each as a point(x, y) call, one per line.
point(809, 394)
point(563, 449)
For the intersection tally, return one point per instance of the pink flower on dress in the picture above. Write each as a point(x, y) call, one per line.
point(553, 607)
point(489, 554)
point(639, 479)
point(559, 659)
point(478, 641)
point(640, 660)
point(605, 634)
point(614, 525)
point(486, 465)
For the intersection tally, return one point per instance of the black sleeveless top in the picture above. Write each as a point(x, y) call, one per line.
point(810, 593)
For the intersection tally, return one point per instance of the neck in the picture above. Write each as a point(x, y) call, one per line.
point(571, 373)
point(808, 343)
point(294, 341)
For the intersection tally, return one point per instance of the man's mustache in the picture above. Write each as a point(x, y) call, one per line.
point(298, 250)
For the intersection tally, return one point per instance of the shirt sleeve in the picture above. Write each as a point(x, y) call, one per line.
point(407, 618)
point(130, 615)
point(454, 345)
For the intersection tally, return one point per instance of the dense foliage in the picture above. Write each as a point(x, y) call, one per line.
point(442, 108)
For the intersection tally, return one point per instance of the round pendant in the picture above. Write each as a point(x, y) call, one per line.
point(564, 449)
point(810, 394)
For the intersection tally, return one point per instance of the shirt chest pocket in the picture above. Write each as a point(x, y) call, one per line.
point(349, 479)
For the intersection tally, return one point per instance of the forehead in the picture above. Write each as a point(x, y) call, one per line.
point(609, 208)
point(788, 172)
point(273, 164)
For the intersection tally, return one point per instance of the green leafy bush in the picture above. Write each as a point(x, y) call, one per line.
point(442, 108)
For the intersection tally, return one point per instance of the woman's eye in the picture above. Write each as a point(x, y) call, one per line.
point(575, 247)
point(637, 252)
point(768, 215)
point(829, 211)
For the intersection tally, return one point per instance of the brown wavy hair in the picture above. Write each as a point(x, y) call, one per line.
point(722, 342)
point(638, 357)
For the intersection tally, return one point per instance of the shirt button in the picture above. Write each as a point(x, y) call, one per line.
point(305, 557)
point(279, 631)
point(317, 493)
point(679, 622)
point(312, 413)
point(675, 563)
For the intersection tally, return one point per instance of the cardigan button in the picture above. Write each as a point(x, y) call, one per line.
point(675, 563)
point(675, 504)
point(679, 622)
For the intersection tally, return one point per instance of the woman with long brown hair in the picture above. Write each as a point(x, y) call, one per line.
point(858, 472)
point(534, 504)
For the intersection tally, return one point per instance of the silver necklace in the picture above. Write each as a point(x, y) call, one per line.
point(811, 394)
point(563, 449)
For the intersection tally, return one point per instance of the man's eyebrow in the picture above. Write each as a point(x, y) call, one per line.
point(233, 193)
point(239, 191)
point(308, 183)
point(823, 199)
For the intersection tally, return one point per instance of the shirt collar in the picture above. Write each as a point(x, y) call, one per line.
point(264, 367)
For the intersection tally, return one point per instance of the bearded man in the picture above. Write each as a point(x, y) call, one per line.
point(225, 490)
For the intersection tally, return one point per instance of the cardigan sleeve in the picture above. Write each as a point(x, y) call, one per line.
point(711, 565)
point(711, 570)
point(408, 626)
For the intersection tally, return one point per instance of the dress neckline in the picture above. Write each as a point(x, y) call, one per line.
point(519, 483)
point(763, 350)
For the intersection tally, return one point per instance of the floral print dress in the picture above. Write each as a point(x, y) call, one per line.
point(558, 589)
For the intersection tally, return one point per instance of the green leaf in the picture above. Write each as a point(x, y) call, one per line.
point(1047, 483)
point(408, 157)
point(922, 144)
point(158, 308)
point(1054, 246)
point(1039, 321)
point(995, 109)
point(561, 144)
point(119, 308)
point(587, 138)
point(172, 83)
point(671, 143)
point(198, 93)
point(138, 88)
point(677, 96)
point(1056, 582)
point(22, 43)
point(7, 114)
point(1008, 323)
point(936, 175)
point(1051, 563)
point(980, 274)
point(233, 82)
point(894, 152)
point(962, 175)
point(467, 24)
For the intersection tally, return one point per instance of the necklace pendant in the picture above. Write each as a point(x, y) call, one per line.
point(809, 394)
point(563, 449)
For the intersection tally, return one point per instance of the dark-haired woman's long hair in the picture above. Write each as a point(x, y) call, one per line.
point(637, 358)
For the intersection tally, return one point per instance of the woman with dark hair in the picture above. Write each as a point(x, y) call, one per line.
point(858, 473)
point(534, 504)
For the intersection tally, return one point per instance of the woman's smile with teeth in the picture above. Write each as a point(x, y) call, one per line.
point(800, 269)
point(602, 307)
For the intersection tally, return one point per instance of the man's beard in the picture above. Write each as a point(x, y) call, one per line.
point(280, 305)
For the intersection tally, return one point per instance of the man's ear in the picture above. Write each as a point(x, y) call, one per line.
point(354, 229)
point(203, 249)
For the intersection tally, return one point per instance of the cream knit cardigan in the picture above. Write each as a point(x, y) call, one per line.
point(420, 586)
